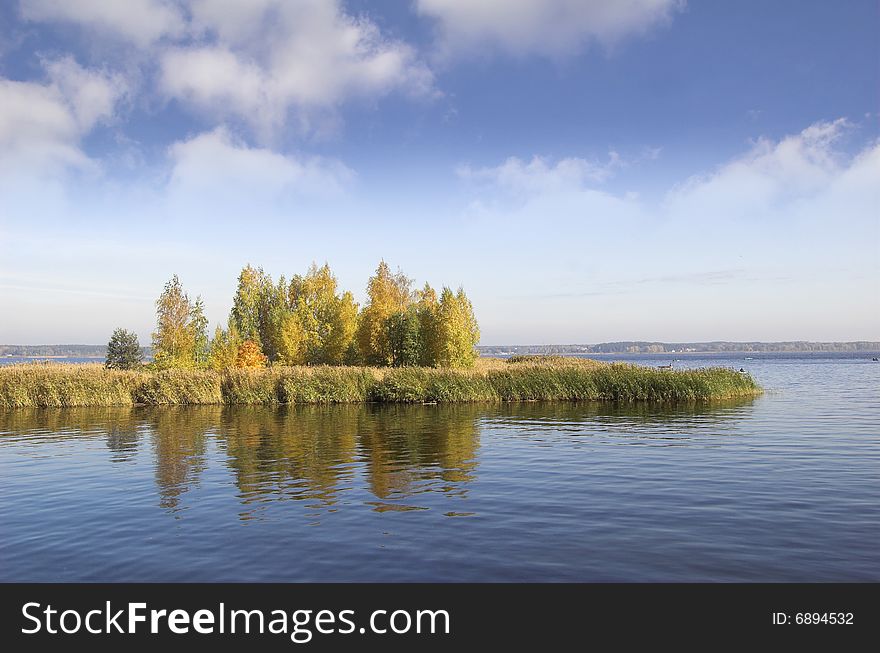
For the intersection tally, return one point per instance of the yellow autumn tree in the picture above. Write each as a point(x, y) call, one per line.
point(223, 351)
point(457, 330)
point(179, 338)
point(328, 319)
point(340, 342)
point(387, 294)
point(291, 343)
point(309, 321)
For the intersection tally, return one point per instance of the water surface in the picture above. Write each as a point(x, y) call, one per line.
point(782, 487)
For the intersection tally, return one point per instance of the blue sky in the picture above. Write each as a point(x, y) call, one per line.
point(588, 171)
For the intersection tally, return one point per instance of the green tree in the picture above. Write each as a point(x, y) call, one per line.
point(404, 337)
point(123, 351)
point(427, 308)
point(174, 340)
point(273, 308)
point(198, 324)
point(245, 314)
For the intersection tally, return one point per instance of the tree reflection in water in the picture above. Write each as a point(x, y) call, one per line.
point(392, 454)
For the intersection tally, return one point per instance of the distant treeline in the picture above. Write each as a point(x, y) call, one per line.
point(642, 347)
point(625, 347)
point(72, 351)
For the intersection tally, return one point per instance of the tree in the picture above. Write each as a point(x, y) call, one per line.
point(328, 320)
point(174, 341)
point(405, 338)
point(388, 294)
point(271, 308)
point(458, 332)
point(249, 355)
point(309, 321)
point(427, 308)
point(123, 351)
point(291, 341)
point(223, 350)
point(198, 325)
point(340, 345)
point(245, 314)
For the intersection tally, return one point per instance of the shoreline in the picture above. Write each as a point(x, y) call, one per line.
point(51, 385)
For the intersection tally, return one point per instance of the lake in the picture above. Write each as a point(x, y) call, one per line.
point(785, 487)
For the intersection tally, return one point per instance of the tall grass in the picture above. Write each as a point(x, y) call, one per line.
point(60, 385)
point(326, 385)
point(557, 379)
point(428, 384)
point(178, 387)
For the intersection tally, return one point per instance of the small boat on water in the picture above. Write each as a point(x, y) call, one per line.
point(875, 359)
point(664, 367)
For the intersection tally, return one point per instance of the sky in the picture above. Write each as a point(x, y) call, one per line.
point(586, 170)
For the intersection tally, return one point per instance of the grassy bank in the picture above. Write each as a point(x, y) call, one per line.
point(523, 379)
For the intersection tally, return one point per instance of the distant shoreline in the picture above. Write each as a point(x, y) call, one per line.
point(687, 348)
point(101, 357)
point(694, 353)
point(619, 347)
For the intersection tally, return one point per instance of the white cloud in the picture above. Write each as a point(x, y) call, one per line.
point(546, 27)
point(36, 126)
point(779, 178)
point(91, 95)
point(259, 61)
point(540, 176)
point(139, 21)
point(268, 63)
point(771, 175)
point(42, 125)
point(214, 79)
point(782, 238)
point(215, 166)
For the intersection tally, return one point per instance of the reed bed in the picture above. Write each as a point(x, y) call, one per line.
point(521, 379)
point(59, 385)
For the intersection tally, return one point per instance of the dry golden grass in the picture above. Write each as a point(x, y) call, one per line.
point(491, 379)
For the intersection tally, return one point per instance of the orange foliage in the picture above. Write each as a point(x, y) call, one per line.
point(250, 355)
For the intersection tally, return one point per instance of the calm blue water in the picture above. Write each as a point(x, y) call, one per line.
point(783, 487)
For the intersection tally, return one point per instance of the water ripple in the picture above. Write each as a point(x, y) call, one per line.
point(783, 487)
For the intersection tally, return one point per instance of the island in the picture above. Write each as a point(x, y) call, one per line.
point(304, 341)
